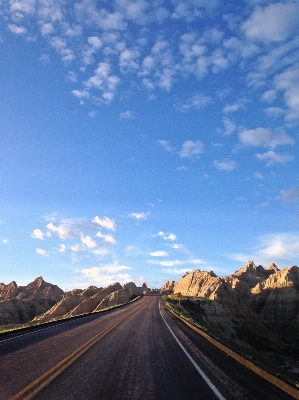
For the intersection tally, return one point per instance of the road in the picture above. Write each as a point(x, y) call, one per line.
point(129, 353)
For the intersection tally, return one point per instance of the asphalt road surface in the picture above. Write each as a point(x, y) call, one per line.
point(137, 352)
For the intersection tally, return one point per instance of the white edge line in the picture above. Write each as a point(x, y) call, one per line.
point(203, 375)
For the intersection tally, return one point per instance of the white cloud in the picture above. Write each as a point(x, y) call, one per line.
point(274, 158)
point(159, 254)
point(275, 22)
point(140, 215)
point(77, 247)
point(166, 236)
point(166, 263)
point(172, 263)
point(5, 241)
point(126, 115)
point(178, 246)
point(258, 175)
point(196, 102)
point(70, 228)
point(81, 94)
point(288, 82)
point(42, 252)
point(89, 243)
point(269, 95)
point(225, 165)
point(166, 146)
point(102, 80)
point(108, 239)
point(60, 45)
point(72, 76)
point(94, 44)
point(107, 274)
point(92, 114)
point(18, 30)
point(191, 148)
point(37, 234)
point(128, 60)
point(170, 237)
point(62, 230)
point(100, 252)
point(276, 247)
point(228, 125)
point(182, 168)
point(289, 195)
point(176, 271)
point(62, 248)
point(106, 223)
point(264, 137)
point(274, 111)
point(234, 106)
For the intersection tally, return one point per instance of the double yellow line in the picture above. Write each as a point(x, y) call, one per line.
point(36, 386)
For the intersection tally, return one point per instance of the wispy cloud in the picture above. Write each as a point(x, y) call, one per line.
point(289, 195)
point(196, 102)
point(159, 254)
point(281, 248)
point(225, 165)
point(166, 146)
point(105, 222)
point(191, 149)
point(126, 115)
point(108, 273)
point(42, 252)
point(140, 215)
point(274, 158)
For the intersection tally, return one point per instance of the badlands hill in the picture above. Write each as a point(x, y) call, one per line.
point(19, 304)
point(255, 308)
point(42, 301)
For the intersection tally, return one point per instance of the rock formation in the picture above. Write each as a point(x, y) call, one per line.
point(89, 300)
point(20, 304)
point(119, 297)
point(255, 307)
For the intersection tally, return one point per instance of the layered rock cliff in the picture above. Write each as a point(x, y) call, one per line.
point(255, 306)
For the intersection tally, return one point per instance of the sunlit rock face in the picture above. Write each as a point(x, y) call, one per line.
point(198, 284)
point(38, 289)
point(168, 287)
point(77, 304)
point(119, 297)
point(255, 305)
point(89, 304)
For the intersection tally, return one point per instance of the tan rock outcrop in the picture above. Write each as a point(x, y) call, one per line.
point(77, 304)
point(120, 297)
point(168, 287)
point(198, 284)
point(136, 290)
point(23, 303)
point(89, 305)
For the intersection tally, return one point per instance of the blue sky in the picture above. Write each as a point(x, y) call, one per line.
point(142, 139)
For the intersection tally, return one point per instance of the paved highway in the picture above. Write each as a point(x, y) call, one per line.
point(139, 351)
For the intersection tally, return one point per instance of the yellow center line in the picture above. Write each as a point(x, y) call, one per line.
point(38, 384)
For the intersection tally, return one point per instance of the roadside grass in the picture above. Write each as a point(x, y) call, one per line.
point(172, 302)
point(6, 329)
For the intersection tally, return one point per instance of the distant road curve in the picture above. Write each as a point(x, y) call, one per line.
point(140, 351)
